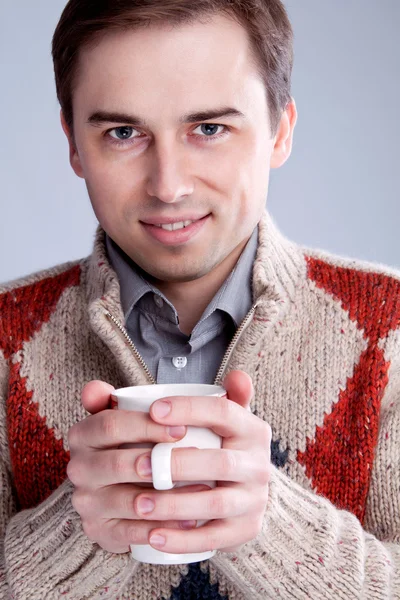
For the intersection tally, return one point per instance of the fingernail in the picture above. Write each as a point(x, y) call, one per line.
point(161, 409)
point(188, 524)
point(145, 505)
point(157, 540)
point(177, 431)
point(144, 466)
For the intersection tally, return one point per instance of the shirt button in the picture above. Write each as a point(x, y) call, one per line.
point(179, 362)
point(159, 301)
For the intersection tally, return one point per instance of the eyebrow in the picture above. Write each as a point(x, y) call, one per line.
point(102, 116)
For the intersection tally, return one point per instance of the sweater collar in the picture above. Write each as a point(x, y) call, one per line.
point(277, 267)
point(275, 270)
point(234, 297)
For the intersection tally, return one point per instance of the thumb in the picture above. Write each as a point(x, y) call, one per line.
point(96, 396)
point(239, 387)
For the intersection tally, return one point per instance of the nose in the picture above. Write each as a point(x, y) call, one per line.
point(169, 177)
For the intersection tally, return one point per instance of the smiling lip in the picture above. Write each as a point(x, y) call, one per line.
point(167, 220)
point(176, 237)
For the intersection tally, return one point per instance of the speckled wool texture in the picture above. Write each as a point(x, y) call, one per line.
point(323, 350)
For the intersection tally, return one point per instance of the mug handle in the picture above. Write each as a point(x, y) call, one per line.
point(161, 466)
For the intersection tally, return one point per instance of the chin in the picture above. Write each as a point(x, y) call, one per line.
point(168, 277)
point(177, 275)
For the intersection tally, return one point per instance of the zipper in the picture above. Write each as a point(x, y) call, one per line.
point(132, 346)
point(244, 324)
point(242, 327)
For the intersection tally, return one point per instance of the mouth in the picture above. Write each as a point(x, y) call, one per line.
point(169, 231)
point(176, 225)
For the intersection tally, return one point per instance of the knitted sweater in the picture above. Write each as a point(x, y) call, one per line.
point(323, 350)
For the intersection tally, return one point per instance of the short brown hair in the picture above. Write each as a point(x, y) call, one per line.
point(83, 22)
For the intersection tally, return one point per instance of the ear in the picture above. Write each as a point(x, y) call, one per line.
point(73, 153)
point(284, 137)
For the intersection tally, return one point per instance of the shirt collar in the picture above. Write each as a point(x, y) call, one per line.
point(234, 297)
point(132, 284)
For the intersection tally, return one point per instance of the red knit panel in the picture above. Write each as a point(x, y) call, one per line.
point(339, 460)
point(24, 310)
point(371, 299)
point(38, 459)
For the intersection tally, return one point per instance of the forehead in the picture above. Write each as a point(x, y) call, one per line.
point(169, 68)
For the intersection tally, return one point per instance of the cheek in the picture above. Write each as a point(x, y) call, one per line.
point(106, 170)
point(109, 194)
point(251, 187)
point(111, 183)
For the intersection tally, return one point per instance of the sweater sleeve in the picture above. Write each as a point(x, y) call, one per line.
point(44, 552)
point(310, 549)
point(7, 498)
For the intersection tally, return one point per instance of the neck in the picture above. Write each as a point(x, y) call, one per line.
point(191, 298)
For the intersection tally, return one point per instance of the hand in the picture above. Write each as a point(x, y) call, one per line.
point(104, 475)
point(237, 505)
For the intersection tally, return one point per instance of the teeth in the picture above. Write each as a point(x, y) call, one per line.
point(175, 226)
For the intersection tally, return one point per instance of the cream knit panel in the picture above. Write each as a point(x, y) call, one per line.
point(383, 506)
point(57, 364)
point(298, 379)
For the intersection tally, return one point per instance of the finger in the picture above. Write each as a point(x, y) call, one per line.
point(239, 387)
point(110, 467)
point(117, 535)
point(226, 418)
point(224, 465)
point(214, 535)
point(112, 428)
point(218, 503)
point(96, 396)
point(128, 465)
point(118, 501)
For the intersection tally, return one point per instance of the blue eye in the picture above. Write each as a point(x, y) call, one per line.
point(209, 129)
point(122, 133)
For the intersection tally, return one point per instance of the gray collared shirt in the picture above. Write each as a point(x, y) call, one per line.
point(153, 324)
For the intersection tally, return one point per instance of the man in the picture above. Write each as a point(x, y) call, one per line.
point(174, 113)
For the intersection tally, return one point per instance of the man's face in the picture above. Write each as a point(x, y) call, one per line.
point(157, 160)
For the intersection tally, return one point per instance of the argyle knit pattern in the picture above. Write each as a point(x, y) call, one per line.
point(323, 351)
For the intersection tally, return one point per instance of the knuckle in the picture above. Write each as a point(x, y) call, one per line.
point(148, 428)
point(90, 529)
point(228, 465)
point(132, 534)
point(73, 436)
point(213, 541)
point(81, 503)
point(118, 532)
point(118, 464)
point(178, 465)
point(73, 472)
point(76, 502)
point(172, 507)
point(188, 409)
point(264, 471)
point(127, 504)
point(218, 506)
point(266, 433)
point(226, 408)
point(109, 424)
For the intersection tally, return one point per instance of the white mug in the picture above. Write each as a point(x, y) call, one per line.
point(140, 398)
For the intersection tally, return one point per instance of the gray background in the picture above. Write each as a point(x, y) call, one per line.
point(338, 191)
